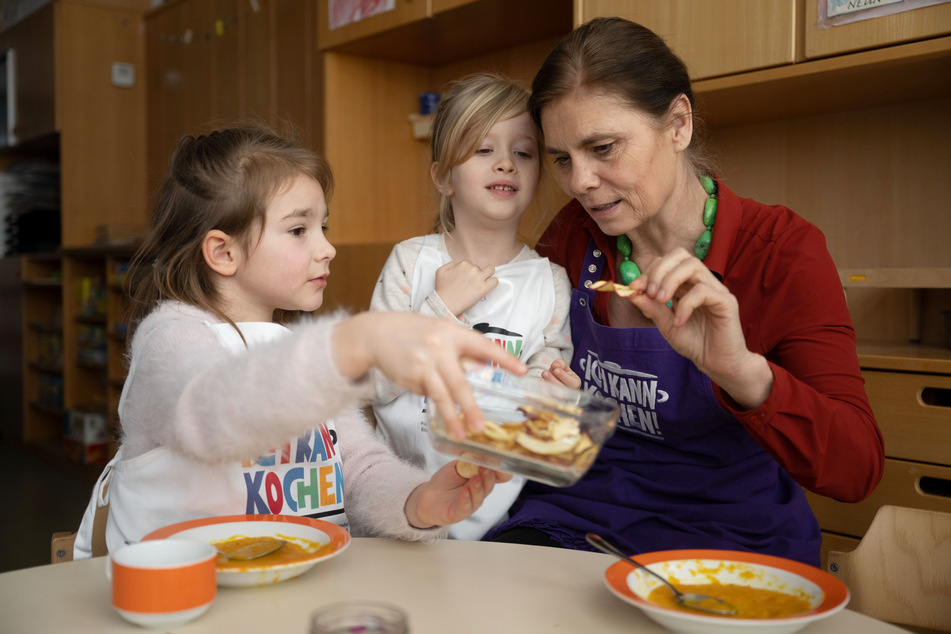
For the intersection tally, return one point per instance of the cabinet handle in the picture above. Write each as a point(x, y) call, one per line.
point(936, 396)
point(940, 487)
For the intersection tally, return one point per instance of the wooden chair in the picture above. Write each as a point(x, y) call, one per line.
point(61, 544)
point(901, 570)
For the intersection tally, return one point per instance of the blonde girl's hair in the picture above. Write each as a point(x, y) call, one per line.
point(467, 110)
point(221, 180)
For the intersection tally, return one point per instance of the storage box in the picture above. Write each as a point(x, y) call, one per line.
point(86, 437)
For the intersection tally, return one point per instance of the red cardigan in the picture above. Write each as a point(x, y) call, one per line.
point(816, 422)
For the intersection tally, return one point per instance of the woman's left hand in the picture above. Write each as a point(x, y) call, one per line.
point(448, 498)
point(703, 325)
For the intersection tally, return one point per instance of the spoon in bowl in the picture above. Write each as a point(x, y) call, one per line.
point(256, 549)
point(692, 600)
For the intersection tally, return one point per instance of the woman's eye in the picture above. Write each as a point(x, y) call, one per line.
point(603, 149)
point(561, 161)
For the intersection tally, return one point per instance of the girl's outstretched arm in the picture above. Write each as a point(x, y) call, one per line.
point(422, 354)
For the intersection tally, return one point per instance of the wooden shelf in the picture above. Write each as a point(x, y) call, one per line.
point(49, 369)
point(52, 282)
point(47, 409)
point(938, 277)
point(91, 320)
point(473, 29)
point(893, 74)
point(904, 357)
point(54, 329)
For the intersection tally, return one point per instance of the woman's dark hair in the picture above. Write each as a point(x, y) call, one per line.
point(622, 58)
point(222, 180)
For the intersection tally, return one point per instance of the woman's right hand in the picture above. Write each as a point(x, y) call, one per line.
point(421, 354)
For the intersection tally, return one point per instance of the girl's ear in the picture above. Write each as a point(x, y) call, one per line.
point(220, 252)
point(680, 118)
point(442, 186)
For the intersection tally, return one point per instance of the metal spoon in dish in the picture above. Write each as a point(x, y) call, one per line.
point(700, 602)
point(254, 550)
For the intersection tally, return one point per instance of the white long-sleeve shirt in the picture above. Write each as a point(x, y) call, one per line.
point(208, 430)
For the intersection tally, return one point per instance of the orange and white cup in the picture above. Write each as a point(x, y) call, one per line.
point(163, 583)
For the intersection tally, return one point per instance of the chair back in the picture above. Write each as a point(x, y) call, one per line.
point(901, 570)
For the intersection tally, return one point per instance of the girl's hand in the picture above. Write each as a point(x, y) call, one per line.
point(448, 497)
point(703, 325)
point(461, 284)
point(561, 373)
point(421, 354)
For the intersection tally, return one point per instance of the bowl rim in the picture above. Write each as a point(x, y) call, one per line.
point(339, 536)
point(835, 593)
point(553, 396)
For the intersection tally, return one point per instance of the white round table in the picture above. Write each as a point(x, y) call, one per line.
point(445, 587)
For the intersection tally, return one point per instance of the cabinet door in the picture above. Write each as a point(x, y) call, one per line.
point(913, 23)
point(178, 46)
point(298, 75)
point(353, 27)
point(101, 123)
point(715, 37)
point(31, 41)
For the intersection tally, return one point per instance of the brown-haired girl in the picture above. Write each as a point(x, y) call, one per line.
point(226, 411)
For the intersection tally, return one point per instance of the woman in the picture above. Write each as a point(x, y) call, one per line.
point(733, 356)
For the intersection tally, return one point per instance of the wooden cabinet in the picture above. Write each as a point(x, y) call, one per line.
point(910, 23)
point(30, 63)
point(215, 61)
point(372, 83)
point(716, 37)
point(68, 52)
point(848, 143)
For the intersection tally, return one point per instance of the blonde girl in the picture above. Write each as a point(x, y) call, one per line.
point(473, 270)
point(227, 410)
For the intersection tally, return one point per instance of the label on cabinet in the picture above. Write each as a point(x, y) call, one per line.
point(123, 75)
point(344, 12)
point(836, 12)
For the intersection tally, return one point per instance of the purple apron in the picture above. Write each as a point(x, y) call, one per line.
point(680, 472)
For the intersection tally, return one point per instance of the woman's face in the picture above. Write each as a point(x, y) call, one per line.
point(618, 163)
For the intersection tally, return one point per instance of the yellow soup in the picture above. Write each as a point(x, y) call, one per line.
point(750, 603)
point(292, 552)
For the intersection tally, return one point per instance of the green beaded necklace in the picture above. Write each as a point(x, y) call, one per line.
point(628, 268)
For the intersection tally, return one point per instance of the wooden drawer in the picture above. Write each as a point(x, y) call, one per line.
point(715, 37)
point(914, 24)
point(912, 484)
point(914, 414)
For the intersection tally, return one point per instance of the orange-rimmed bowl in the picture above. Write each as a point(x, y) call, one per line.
point(321, 540)
point(825, 594)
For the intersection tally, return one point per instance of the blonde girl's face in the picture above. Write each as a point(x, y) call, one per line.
point(288, 267)
point(497, 183)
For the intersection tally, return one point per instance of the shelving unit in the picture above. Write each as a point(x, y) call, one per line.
point(43, 361)
point(71, 365)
